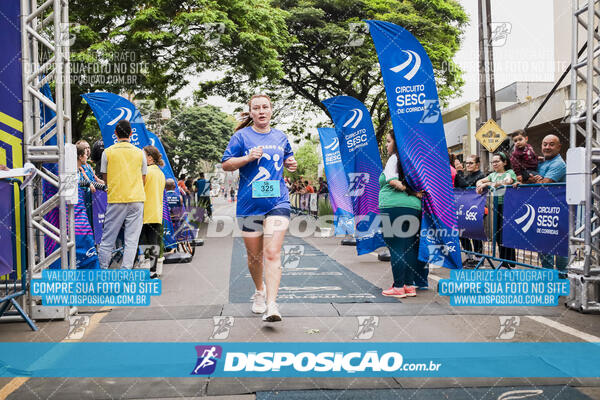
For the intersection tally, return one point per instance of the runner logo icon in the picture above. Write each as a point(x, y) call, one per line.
point(207, 359)
point(411, 55)
point(357, 115)
point(529, 216)
point(357, 182)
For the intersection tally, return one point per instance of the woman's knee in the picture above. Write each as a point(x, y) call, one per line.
point(254, 257)
point(272, 253)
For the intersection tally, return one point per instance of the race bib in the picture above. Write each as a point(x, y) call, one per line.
point(261, 189)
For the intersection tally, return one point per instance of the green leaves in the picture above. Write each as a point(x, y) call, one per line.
point(194, 135)
point(308, 162)
point(170, 39)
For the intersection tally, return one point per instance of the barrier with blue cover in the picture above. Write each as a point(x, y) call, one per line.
point(529, 218)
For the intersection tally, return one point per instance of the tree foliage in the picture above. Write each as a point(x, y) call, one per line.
point(195, 136)
point(308, 161)
point(149, 48)
point(331, 57)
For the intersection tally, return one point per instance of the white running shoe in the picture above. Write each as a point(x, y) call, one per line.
point(272, 314)
point(259, 304)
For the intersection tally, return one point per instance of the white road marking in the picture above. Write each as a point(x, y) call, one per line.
point(565, 329)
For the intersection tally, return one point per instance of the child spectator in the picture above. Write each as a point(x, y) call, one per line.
point(523, 159)
point(173, 198)
point(152, 230)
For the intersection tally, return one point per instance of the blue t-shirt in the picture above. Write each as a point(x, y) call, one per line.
point(276, 149)
point(554, 169)
point(173, 199)
point(203, 187)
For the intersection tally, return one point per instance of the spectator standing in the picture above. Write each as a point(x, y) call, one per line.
point(203, 193)
point(90, 175)
point(465, 179)
point(523, 159)
point(323, 189)
point(183, 190)
point(124, 169)
point(552, 170)
point(154, 187)
point(96, 155)
point(397, 200)
point(452, 159)
point(502, 175)
point(83, 227)
point(309, 188)
point(189, 185)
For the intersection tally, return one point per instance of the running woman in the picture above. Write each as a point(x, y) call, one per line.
point(263, 206)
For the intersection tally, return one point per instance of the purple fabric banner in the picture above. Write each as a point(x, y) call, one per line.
point(6, 228)
point(337, 181)
point(536, 218)
point(410, 86)
point(99, 202)
point(362, 164)
point(470, 211)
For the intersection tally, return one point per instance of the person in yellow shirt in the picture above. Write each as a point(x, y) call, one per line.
point(123, 167)
point(152, 230)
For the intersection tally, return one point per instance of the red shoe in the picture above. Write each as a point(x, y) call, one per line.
point(394, 292)
point(410, 291)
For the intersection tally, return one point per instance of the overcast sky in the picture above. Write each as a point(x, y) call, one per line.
point(527, 54)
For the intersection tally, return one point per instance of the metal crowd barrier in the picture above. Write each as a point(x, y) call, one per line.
point(490, 248)
point(13, 286)
point(308, 203)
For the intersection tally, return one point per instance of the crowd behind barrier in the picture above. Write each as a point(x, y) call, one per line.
point(13, 265)
point(535, 224)
point(532, 219)
point(308, 203)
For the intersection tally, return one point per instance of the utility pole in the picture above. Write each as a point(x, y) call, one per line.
point(487, 97)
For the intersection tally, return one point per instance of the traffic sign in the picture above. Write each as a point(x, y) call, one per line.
point(490, 135)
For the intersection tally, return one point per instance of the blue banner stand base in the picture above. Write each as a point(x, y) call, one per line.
point(177, 258)
point(20, 312)
point(508, 264)
point(384, 255)
point(349, 241)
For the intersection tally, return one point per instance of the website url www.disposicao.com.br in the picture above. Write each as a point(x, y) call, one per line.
point(369, 361)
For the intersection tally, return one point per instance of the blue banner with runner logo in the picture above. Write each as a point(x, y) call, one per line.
point(470, 212)
point(416, 117)
point(307, 360)
point(362, 164)
point(536, 218)
point(109, 109)
point(337, 182)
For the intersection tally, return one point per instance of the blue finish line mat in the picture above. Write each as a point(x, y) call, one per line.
point(478, 393)
point(308, 276)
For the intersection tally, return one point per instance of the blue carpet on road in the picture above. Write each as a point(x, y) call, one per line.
point(479, 393)
point(309, 276)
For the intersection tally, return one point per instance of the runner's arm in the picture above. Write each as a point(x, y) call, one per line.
point(234, 163)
